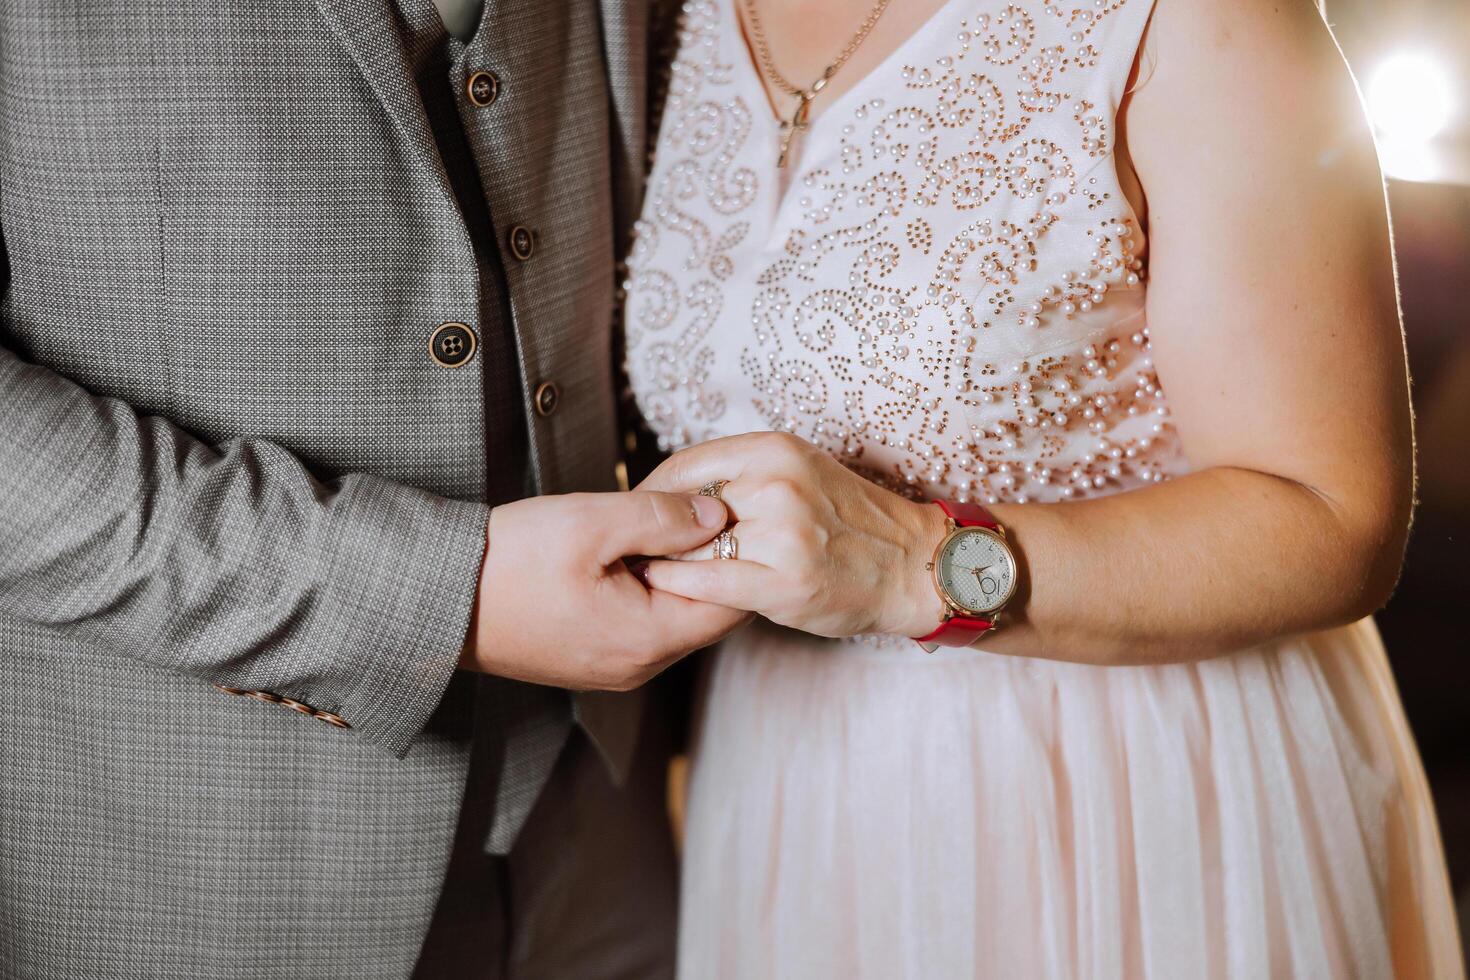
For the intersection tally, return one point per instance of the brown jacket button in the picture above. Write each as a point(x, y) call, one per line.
point(547, 397)
point(522, 242)
point(270, 697)
point(482, 88)
point(452, 345)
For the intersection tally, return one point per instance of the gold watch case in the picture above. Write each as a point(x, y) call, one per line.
point(955, 606)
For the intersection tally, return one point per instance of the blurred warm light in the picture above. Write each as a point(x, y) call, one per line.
point(1410, 96)
point(1411, 100)
point(1407, 159)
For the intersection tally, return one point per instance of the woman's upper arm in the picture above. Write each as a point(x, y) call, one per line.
point(1272, 306)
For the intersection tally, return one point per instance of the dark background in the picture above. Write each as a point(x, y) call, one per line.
point(1427, 624)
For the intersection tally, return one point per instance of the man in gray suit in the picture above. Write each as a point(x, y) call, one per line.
point(300, 300)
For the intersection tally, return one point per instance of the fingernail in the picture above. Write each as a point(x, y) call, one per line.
point(709, 512)
point(640, 571)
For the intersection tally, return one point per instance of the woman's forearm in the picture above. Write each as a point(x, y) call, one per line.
point(1201, 566)
point(1204, 565)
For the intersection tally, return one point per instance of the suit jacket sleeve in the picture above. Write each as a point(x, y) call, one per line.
point(230, 563)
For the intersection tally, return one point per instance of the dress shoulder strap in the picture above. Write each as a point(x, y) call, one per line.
point(1070, 66)
point(1105, 37)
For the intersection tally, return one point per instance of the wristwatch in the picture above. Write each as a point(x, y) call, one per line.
point(975, 573)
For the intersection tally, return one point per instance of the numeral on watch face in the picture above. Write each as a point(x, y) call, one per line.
point(976, 571)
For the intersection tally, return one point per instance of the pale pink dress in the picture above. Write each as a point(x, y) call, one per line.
point(946, 290)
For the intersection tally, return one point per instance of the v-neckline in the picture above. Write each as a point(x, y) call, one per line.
point(751, 71)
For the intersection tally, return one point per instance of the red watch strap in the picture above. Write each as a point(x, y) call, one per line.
point(956, 631)
point(967, 515)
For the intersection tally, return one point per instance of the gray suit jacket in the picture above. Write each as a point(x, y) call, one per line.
point(227, 458)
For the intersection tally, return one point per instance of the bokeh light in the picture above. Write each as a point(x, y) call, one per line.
point(1410, 97)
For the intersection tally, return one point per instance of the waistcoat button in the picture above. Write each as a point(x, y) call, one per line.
point(482, 88)
point(548, 396)
point(522, 242)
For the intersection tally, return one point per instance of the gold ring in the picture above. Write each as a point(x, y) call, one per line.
point(726, 544)
point(713, 488)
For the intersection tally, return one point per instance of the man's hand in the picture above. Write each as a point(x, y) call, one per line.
point(558, 606)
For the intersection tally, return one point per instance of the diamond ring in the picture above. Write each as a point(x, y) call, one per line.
point(726, 545)
point(713, 488)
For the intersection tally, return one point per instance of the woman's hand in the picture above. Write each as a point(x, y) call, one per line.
point(820, 548)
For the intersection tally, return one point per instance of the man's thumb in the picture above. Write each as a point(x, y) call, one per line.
point(646, 522)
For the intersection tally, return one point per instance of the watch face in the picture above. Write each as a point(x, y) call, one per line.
point(976, 570)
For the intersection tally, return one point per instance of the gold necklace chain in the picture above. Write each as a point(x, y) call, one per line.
point(804, 96)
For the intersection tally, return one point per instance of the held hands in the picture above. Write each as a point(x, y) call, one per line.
point(820, 548)
point(558, 606)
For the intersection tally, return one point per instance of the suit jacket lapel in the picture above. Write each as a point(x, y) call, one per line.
point(369, 32)
point(366, 28)
point(625, 44)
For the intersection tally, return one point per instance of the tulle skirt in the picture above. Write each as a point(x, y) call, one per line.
point(862, 809)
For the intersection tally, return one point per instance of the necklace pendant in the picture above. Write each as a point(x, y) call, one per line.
point(785, 143)
point(791, 127)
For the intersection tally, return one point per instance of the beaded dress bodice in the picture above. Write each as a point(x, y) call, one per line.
point(944, 290)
